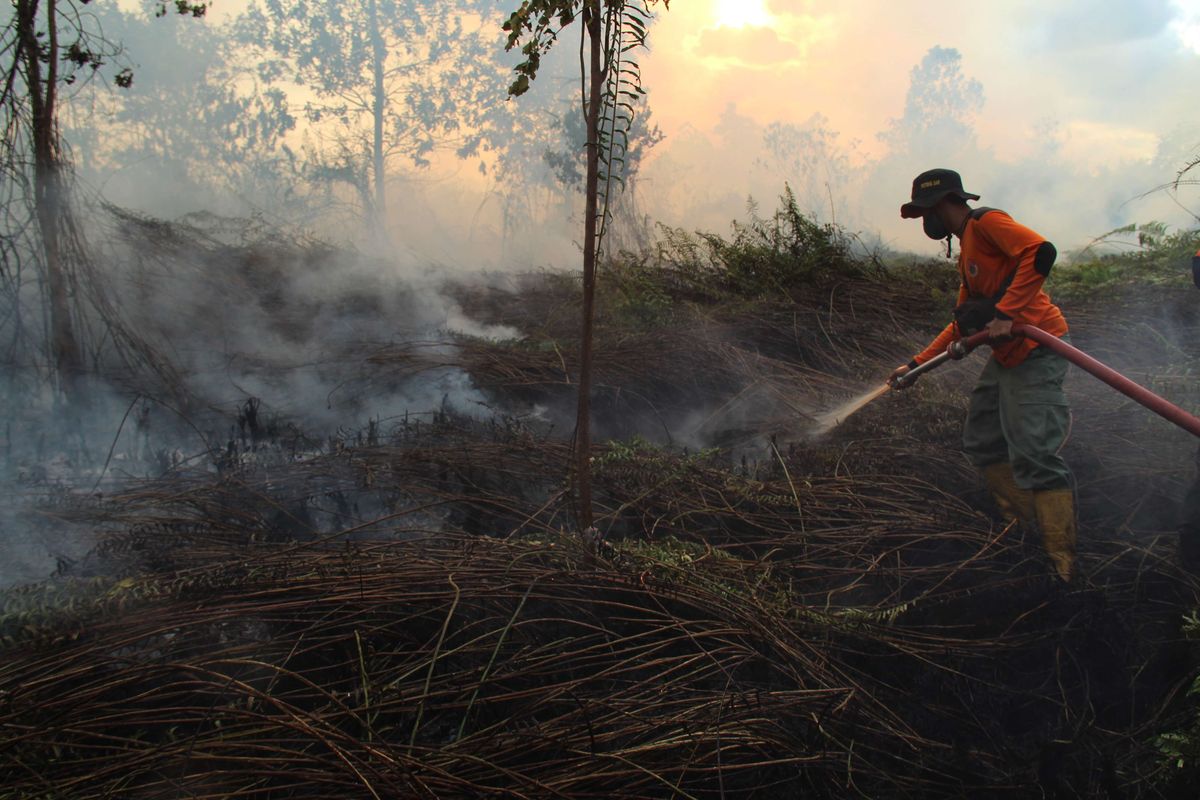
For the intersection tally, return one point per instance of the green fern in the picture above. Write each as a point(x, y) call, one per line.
point(625, 25)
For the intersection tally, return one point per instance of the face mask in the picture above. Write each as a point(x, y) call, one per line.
point(933, 226)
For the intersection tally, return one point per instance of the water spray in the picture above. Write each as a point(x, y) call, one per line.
point(831, 419)
point(1159, 405)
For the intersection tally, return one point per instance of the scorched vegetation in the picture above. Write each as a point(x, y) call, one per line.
point(406, 606)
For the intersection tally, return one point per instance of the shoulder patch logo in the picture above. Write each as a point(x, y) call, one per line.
point(973, 269)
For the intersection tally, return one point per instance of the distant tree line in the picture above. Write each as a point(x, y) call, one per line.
point(302, 110)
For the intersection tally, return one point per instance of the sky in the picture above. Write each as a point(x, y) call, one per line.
point(1081, 109)
point(1101, 92)
point(1114, 74)
point(785, 58)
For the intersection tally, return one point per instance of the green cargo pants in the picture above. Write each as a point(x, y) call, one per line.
point(1020, 415)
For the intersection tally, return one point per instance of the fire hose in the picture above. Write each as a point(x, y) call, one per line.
point(1159, 405)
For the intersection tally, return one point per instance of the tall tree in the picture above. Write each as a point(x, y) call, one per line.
point(39, 64)
point(612, 81)
point(195, 123)
point(394, 78)
point(939, 108)
point(49, 45)
point(813, 161)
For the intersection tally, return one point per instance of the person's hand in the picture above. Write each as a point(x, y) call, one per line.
point(898, 373)
point(1000, 329)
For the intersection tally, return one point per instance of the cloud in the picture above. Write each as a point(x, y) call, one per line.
point(1087, 23)
point(754, 47)
point(1093, 144)
point(1186, 25)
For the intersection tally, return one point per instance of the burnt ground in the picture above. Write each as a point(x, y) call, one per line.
point(407, 608)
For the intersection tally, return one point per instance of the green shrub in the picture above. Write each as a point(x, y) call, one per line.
point(764, 257)
point(639, 294)
point(1158, 256)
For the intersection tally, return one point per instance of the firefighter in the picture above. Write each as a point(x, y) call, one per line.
point(1018, 417)
point(1189, 528)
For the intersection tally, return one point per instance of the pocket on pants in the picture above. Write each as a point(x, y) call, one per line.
point(1039, 426)
point(1042, 397)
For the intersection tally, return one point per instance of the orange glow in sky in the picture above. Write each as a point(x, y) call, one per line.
point(1082, 106)
point(740, 13)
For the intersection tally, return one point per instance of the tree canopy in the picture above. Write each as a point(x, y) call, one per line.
point(386, 80)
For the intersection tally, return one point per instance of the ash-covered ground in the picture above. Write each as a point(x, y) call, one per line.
point(328, 545)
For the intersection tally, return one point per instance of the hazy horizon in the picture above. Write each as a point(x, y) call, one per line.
point(1069, 118)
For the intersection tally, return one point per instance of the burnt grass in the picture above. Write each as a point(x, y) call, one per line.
point(409, 609)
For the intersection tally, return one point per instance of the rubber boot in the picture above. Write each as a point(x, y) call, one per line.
point(1056, 517)
point(1014, 502)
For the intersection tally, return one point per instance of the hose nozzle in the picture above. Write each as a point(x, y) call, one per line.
point(957, 350)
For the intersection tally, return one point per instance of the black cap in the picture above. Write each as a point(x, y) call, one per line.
point(931, 186)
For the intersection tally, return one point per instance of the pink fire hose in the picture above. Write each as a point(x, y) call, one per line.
point(1161, 406)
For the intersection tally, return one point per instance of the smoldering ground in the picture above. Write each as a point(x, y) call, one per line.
point(267, 340)
point(245, 312)
point(851, 578)
point(238, 337)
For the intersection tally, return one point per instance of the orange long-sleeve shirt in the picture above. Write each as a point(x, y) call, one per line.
point(994, 247)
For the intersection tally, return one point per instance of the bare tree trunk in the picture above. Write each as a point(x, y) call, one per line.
point(583, 433)
point(49, 193)
point(379, 105)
